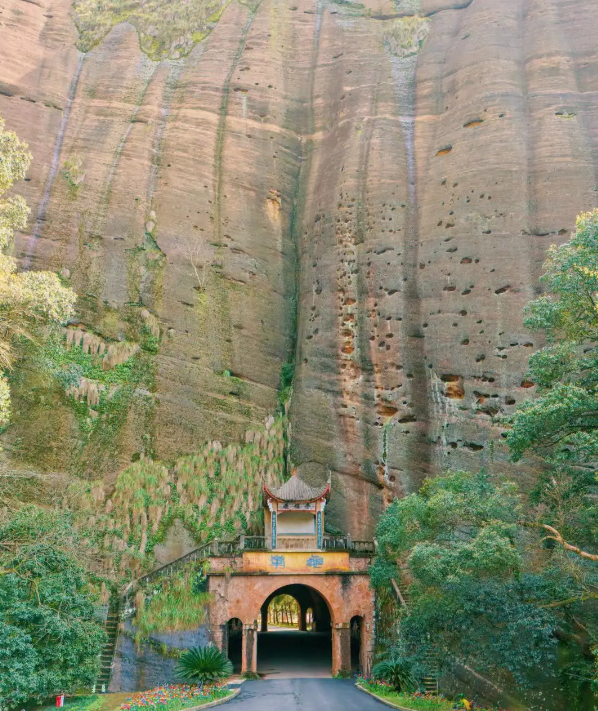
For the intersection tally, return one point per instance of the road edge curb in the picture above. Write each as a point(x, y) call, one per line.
point(216, 702)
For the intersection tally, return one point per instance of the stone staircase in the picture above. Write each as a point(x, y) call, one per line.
point(107, 654)
point(430, 682)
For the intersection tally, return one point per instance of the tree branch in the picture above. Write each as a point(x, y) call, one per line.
point(556, 536)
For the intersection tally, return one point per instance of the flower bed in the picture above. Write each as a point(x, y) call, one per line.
point(174, 697)
point(417, 701)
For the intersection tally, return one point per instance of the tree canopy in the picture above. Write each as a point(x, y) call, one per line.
point(50, 635)
point(28, 300)
point(481, 584)
point(562, 422)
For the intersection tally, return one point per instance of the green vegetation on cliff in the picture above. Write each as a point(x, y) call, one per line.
point(214, 493)
point(180, 603)
point(166, 29)
point(28, 300)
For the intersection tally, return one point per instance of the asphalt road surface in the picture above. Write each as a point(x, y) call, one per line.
point(302, 695)
point(287, 654)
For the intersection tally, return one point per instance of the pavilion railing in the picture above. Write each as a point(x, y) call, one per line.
point(253, 543)
point(337, 543)
point(364, 547)
point(345, 543)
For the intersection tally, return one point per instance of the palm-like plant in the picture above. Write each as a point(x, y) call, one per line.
point(396, 672)
point(201, 665)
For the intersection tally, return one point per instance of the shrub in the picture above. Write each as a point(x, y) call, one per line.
point(201, 665)
point(397, 672)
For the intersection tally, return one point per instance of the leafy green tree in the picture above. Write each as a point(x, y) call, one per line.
point(204, 665)
point(27, 300)
point(562, 422)
point(561, 425)
point(481, 585)
point(50, 636)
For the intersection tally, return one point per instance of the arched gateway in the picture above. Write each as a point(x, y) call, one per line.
point(325, 574)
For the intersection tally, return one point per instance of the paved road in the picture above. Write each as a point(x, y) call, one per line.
point(302, 695)
point(288, 654)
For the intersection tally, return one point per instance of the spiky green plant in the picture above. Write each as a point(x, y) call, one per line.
point(395, 671)
point(201, 665)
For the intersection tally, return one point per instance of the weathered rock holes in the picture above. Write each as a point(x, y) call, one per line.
point(453, 386)
point(473, 446)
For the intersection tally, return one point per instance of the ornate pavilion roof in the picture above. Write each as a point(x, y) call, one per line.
point(295, 489)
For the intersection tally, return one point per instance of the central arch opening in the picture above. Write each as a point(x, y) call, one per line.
point(296, 634)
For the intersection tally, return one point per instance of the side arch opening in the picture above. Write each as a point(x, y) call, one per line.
point(234, 636)
point(356, 633)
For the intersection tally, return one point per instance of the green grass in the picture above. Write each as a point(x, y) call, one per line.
point(409, 701)
point(417, 701)
point(92, 702)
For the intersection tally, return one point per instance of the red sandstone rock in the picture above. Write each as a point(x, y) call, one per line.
point(411, 224)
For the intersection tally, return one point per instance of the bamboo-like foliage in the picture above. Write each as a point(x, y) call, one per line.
point(176, 607)
point(215, 493)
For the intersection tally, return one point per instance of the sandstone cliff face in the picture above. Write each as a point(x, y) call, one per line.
point(375, 213)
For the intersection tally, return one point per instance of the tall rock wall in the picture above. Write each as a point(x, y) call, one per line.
point(376, 195)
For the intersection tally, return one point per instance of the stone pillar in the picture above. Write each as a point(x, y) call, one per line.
point(221, 638)
point(302, 619)
point(249, 660)
point(367, 649)
point(319, 531)
point(341, 648)
point(264, 626)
